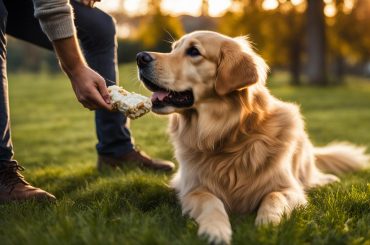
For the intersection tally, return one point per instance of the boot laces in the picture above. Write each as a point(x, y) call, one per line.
point(10, 175)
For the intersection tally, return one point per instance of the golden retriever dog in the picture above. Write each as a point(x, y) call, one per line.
point(239, 148)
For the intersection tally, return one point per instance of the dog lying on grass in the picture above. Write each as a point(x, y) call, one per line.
point(239, 148)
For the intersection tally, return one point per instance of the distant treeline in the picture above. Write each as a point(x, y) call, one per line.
point(299, 38)
point(25, 57)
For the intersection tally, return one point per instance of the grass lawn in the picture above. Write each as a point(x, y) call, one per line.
point(55, 140)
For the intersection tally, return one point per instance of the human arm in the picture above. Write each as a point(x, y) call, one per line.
point(88, 3)
point(56, 20)
point(89, 86)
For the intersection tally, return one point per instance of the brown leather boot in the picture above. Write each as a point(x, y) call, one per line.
point(13, 186)
point(136, 157)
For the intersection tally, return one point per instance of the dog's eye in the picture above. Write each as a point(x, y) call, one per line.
point(192, 51)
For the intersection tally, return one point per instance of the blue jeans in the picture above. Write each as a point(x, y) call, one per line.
point(96, 32)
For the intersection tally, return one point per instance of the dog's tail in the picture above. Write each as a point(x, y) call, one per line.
point(339, 158)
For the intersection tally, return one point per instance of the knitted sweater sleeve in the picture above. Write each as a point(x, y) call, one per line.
point(56, 18)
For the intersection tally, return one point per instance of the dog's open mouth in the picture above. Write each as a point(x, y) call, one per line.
point(162, 97)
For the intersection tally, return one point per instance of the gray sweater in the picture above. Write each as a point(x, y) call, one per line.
point(56, 18)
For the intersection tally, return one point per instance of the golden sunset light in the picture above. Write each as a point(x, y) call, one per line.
point(221, 92)
point(193, 7)
point(173, 7)
point(177, 7)
point(217, 7)
point(270, 4)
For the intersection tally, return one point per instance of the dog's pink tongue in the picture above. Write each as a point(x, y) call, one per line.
point(160, 95)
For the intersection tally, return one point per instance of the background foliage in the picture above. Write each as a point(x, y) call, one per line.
point(54, 139)
point(283, 35)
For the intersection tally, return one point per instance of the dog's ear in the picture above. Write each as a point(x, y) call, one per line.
point(236, 68)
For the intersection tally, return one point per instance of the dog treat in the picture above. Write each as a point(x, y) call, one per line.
point(133, 105)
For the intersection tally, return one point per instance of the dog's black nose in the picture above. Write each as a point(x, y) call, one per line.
point(143, 59)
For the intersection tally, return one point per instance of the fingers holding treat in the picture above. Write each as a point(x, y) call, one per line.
point(133, 105)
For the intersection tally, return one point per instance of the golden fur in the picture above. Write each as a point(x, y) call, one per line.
point(239, 149)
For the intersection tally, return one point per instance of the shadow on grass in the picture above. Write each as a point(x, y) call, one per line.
point(64, 181)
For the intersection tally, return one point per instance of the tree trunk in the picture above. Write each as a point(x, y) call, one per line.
point(316, 66)
point(295, 48)
point(204, 8)
point(295, 63)
point(339, 68)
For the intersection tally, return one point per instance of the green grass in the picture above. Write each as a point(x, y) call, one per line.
point(54, 139)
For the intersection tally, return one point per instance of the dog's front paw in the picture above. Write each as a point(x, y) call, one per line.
point(266, 218)
point(216, 232)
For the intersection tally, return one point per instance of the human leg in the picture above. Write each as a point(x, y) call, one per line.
point(12, 184)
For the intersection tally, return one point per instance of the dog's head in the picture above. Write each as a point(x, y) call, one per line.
point(202, 65)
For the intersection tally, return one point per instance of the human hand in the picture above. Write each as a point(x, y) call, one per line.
point(90, 88)
point(88, 3)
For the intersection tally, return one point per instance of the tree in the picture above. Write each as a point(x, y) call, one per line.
point(121, 6)
point(157, 29)
point(295, 41)
point(316, 46)
point(349, 36)
point(204, 8)
point(277, 33)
